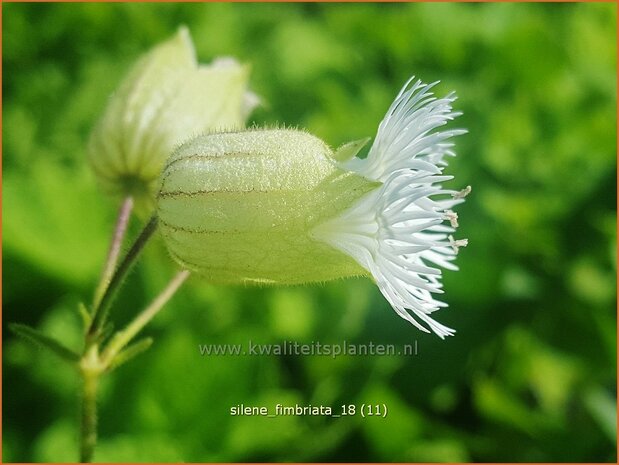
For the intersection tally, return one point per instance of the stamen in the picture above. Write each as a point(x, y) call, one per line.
point(463, 193)
point(452, 217)
point(456, 244)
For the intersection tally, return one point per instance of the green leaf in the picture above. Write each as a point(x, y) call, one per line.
point(131, 351)
point(66, 205)
point(45, 342)
point(85, 314)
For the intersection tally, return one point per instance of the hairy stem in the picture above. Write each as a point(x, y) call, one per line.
point(114, 251)
point(122, 338)
point(99, 313)
point(90, 372)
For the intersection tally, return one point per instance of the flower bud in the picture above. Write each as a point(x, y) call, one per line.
point(278, 206)
point(238, 207)
point(165, 99)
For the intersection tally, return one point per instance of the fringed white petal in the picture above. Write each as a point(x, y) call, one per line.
point(407, 136)
point(395, 233)
point(398, 232)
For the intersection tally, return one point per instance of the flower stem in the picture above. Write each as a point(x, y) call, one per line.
point(114, 251)
point(89, 419)
point(122, 338)
point(100, 311)
point(93, 366)
point(90, 372)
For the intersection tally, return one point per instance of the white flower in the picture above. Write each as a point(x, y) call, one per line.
point(166, 98)
point(277, 206)
point(397, 232)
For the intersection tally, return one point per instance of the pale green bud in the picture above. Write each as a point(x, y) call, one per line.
point(278, 206)
point(239, 207)
point(166, 98)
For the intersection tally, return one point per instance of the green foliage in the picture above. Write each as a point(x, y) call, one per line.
point(45, 342)
point(131, 351)
point(531, 373)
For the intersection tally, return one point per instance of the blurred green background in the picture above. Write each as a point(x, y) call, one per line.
point(531, 373)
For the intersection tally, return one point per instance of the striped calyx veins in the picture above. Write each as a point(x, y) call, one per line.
point(239, 207)
point(166, 98)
